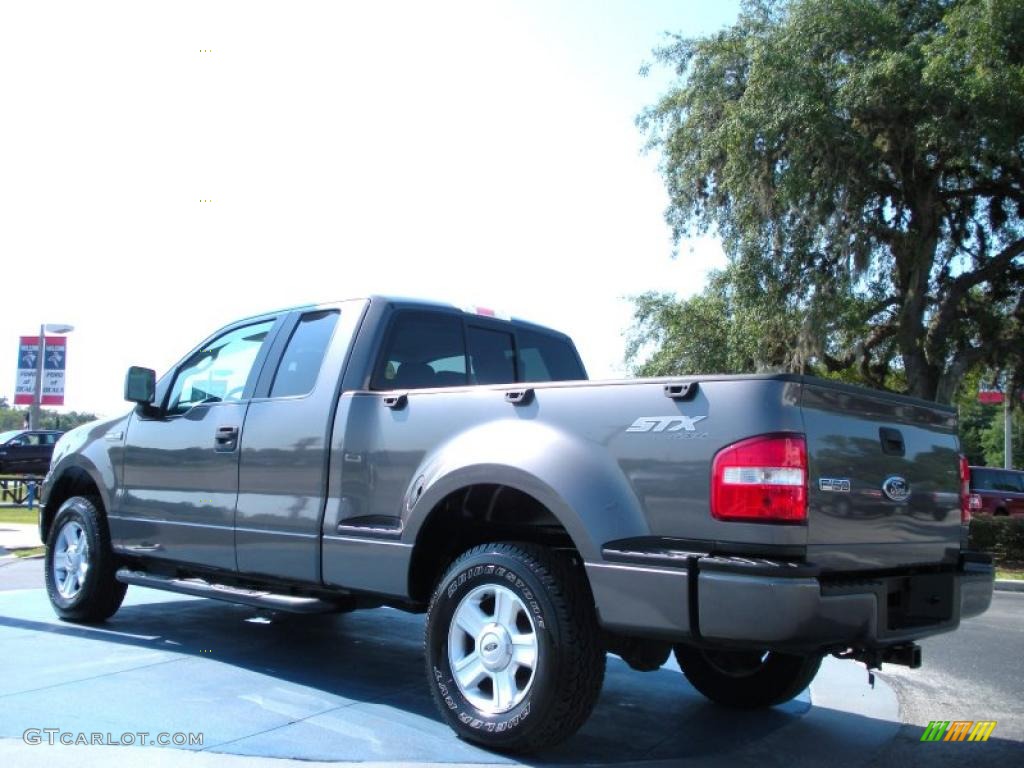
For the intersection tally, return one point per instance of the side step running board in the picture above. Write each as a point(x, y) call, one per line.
point(199, 588)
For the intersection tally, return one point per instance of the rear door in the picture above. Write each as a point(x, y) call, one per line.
point(883, 479)
point(286, 443)
point(181, 468)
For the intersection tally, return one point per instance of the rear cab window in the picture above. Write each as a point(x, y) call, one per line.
point(544, 357)
point(424, 349)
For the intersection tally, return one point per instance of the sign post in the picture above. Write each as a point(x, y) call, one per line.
point(1007, 435)
point(42, 361)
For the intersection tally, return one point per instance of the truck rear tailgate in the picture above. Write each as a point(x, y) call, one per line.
point(883, 479)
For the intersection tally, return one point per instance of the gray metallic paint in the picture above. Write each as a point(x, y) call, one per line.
point(862, 528)
point(340, 457)
point(284, 454)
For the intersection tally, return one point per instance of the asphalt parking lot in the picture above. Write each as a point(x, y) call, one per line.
point(350, 688)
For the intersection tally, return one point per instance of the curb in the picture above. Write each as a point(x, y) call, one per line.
point(1009, 585)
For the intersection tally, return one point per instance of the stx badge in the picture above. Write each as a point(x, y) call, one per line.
point(665, 423)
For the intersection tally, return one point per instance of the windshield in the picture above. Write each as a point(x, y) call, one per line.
point(5, 436)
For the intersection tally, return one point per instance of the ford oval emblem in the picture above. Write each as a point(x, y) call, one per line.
point(896, 488)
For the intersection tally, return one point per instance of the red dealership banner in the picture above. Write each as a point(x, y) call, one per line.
point(53, 370)
point(992, 396)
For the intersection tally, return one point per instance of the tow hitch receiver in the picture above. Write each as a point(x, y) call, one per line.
point(905, 655)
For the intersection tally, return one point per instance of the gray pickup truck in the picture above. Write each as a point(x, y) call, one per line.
point(391, 452)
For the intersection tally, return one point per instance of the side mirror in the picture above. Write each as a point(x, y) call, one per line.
point(140, 385)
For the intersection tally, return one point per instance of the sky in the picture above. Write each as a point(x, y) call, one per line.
point(167, 168)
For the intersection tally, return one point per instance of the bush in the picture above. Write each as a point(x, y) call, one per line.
point(1003, 537)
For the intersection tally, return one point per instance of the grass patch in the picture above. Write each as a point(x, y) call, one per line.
point(18, 514)
point(34, 552)
point(1007, 572)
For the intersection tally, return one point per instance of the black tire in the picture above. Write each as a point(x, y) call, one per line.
point(99, 593)
point(747, 679)
point(555, 609)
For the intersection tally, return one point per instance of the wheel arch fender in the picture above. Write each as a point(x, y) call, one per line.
point(576, 480)
point(74, 475)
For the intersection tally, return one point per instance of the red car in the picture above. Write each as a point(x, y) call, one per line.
point(997, 492)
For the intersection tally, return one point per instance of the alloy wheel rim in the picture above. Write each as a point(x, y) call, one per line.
point(493, 648)
point(70, 564)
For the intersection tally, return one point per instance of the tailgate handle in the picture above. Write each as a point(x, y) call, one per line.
point(684, 390)
point(892, 441)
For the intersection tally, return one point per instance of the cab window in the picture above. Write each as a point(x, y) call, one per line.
point(300, 364)
point(219, 371)
point(422, 350)
point(491, 356)
point(547, 358)
point(996, 480)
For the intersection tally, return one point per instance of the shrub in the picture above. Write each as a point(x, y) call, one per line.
point(1003, 537)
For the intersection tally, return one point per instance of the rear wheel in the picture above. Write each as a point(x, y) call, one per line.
point(512, 644)
point(747, 679)
point(80, 567)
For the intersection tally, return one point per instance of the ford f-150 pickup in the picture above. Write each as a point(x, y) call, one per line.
point(392, 452)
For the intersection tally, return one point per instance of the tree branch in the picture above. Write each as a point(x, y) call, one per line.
point(962, 362)
point(997, 266)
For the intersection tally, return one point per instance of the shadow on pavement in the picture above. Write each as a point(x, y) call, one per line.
point(348, 686)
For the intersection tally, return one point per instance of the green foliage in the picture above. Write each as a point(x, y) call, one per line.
point(723, 330)
point(1002, 537)
point(862, 162)
point(992, 438)
point(14, 418)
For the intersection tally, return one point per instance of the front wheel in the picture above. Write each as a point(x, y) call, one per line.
point(747, 679)
point(80, 567)
point(514, 659)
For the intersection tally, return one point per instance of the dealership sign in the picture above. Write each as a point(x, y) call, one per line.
point(992, 395)
point(55, 352)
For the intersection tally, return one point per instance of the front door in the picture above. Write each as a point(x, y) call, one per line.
point(181, 468)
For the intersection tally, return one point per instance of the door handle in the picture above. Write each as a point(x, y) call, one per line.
point(226, 439)
point(519, 396)
point(396, 401)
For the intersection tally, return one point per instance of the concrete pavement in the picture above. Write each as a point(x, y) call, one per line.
point(14, 536)
point(351, 688)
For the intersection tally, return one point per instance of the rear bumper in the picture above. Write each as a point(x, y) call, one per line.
point(767, 604)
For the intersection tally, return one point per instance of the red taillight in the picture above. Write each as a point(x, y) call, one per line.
point(761, 480)
point(966, 499)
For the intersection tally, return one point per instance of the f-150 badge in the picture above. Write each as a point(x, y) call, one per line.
point(665, 423)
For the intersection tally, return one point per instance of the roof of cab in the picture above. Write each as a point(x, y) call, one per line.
point(475, 311)
point(405, 302)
